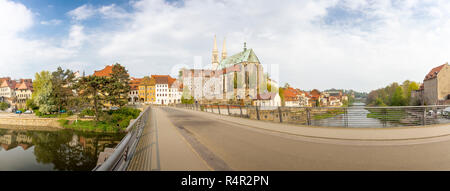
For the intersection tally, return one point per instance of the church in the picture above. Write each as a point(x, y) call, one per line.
point(232, 78)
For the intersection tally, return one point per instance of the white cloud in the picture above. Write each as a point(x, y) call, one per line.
point(20, 57)
point(51, 22)
point(82, 13)
point(362, 45)
point(22, 17)
point(76, 37)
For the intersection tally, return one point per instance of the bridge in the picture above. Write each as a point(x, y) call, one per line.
point(171, 138)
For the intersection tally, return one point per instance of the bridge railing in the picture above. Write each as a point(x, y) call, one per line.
point(123, 152)
point(356, 116)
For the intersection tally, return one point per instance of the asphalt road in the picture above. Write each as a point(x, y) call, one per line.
point(225, 145)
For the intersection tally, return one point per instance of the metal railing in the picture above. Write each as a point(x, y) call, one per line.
point(123, 152)
point(354, 116)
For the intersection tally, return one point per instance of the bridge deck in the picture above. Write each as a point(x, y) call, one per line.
point(162, 147)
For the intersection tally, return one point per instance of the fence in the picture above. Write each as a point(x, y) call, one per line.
point(355, 116)
point(120, 158)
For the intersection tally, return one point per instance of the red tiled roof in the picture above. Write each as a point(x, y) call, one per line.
point(134, 83)
point(163, 79)
point(106, 72)
point(434, 72)
point(290, 94)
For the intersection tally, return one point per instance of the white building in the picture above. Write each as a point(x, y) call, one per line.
point(237, 77)
point(270, 99)
point(167, 90)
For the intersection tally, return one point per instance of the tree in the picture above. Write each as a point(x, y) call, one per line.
point(281, 93)
point(187, 98)
point(42, 94)
point(119, 86)
point(393, 94)
point(397, 98)
point(4, 106)
point(93, 90)
point(62, 87)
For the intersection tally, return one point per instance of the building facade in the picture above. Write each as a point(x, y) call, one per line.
point(147, 90)
point(436, 85)
point(237, 77)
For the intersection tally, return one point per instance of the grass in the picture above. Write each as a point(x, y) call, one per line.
point(89, 126)
point(387, 114)
point(112, 121)
point(328, 114)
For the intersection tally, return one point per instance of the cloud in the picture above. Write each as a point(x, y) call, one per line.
point(22, 17)
point(21, 57)
point(82, 13)
point(52, 22)
point(320, 44)
point(76, 37)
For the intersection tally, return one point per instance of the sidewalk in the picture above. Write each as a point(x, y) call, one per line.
point(360, 134)
point(162, 147)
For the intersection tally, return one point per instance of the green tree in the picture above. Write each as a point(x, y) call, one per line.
point(4, 106)
point(119, 86)
point(398, 98)
point(186, 97)
point(93, 90)
point(281, 93)
point(42, 94)
point(62, 87)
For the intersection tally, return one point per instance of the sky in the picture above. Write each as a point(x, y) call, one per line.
point(358, 44)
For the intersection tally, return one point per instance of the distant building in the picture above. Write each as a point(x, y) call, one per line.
point(147, 90)
point(105, 72)
point(133, 95)
point(237, 77)
point(436, 85)
point(16, 92)
point(165, 92)
point(269, 99)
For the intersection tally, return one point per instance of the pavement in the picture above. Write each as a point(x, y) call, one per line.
point(230, 143)
point(163, 147)
point(186, 140)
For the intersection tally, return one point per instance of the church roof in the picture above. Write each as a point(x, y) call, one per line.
point(247, 55)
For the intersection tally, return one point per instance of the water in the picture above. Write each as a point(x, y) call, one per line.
point(357, 117)
point(65, 150)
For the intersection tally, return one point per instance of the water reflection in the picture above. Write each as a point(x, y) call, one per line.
point(52, 150)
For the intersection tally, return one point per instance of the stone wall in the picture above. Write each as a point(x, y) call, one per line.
point(36, 122)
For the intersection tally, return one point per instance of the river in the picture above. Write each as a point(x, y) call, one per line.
point(57, 150)
point(357, 117)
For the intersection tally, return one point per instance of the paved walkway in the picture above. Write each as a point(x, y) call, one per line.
point(242, 144)
point(162, 147)
point(380, 135)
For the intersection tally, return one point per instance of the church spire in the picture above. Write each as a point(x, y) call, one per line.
point(224, 50)
point(215, 55)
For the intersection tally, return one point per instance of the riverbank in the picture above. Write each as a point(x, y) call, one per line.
point(7, 119)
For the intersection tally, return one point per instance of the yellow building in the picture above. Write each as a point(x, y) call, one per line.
point(147, 90)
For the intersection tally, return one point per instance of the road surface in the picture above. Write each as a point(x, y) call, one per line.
point(225, 144)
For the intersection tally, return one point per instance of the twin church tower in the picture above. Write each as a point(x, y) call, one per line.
point(215, 54)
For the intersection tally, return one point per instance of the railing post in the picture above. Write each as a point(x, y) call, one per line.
point(228, 108)
point(308, 116)
point(257, 113)
point(346, 116)
point(424, 121)
point(279, 113)
point(240, 108)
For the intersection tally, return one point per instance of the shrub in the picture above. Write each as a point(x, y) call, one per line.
point(4, 106)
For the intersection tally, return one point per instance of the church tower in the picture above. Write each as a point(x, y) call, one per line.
point(215, 55)
point(224, 51)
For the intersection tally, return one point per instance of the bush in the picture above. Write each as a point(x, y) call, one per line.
point(88, 112)
point(4, 106)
